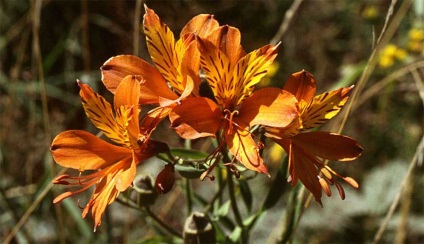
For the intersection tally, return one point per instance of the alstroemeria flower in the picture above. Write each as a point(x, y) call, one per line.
point(232, 74)
point(177, 64)
point(307, 149)
point(114, 166)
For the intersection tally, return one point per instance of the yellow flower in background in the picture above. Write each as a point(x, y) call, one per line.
point(370, 12)
point(416, 34)
point(390, 54)
point(416, 40)
point(385, 61)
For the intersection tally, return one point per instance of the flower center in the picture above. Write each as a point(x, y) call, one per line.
point(229, 115)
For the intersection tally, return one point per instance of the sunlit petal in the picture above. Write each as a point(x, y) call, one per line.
point(270, 107)
point(250, 69)
point(161, 45)
point(196, 117)
point(100, 113)
point(302, 85)
point(324, 107)
point(227, 39)
point(201, 25)
point(118, 67)
point(245, 149)
point(218, 72)
point(81, 150)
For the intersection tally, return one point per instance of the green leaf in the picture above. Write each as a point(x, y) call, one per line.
point(278, 186)
point(190, 171)
point(188, 154)
point(246, 194)
point(236, 234)
point(223, 210)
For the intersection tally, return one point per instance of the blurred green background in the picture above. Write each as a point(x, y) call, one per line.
point(332, 39)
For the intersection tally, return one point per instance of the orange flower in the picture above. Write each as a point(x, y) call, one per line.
point(232, 74)
point(114, 166)
point(306, 149)
point(177, 64)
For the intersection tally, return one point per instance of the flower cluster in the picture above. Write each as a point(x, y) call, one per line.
point(206, 54)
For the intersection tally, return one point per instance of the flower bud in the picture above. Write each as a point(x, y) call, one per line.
point(165, 179)
point(143, 185)
point(198, 228)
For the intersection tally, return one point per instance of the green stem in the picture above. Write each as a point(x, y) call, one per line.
point(189, 196)
point(161, 223)
point(147, 210)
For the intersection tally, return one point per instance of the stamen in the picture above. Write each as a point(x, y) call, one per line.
point(341, 191)
point(230, 120)
point(324, 186)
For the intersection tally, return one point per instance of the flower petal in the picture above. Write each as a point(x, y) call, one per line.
point(100, 113)
point(302, 85)
point(117, 68)
point(126, 174)
point(250, 69)
point(328, 145)
point(218, 72)
point(227, 39)
point(305, 169)
point(245, 149)
point(201, 25)
point(81, 150)
point(161, 46)
point(268, 106)
point(190, 66)
point(152, 119)
point(127, 96)
point(196, 117)
point(302, 167)
point(324, 107)
point(128, 91)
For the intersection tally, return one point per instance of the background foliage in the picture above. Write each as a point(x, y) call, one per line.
point(46, 45)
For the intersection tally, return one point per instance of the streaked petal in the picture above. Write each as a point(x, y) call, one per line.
point(227, 39)
point(250, 69)
point(196, 117)
point(218, 71)
point(245, 149)
point(302, 85)
point(100, 113)
point(161, 45)
point(268, 106)
point(81, 150)
point(126, 106)
point(328, 145)
point(153, 87)
point(324, 107)
point(190, 66)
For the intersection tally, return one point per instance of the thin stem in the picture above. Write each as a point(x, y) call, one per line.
point(137, 17)
point(231, 191)
point(412, 164)
point(163, 224)
point(31, 209)
point(286, 21)
point(189, 196)
point(127, 202)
